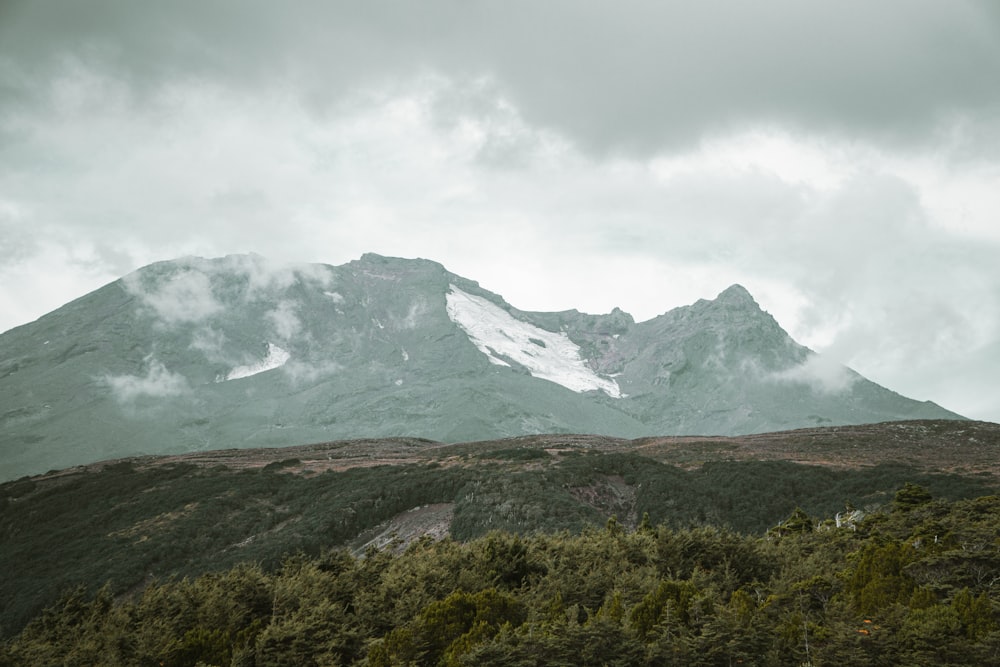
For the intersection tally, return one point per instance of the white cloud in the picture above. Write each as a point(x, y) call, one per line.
point(158, 382)
point(185, 296)
point(210, 342)
point(286, 323)
point(821, 373)
point(265, 275)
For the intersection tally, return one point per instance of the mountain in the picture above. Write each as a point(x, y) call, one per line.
point(199, 354)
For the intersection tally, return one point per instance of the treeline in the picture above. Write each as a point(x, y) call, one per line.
point(915, 584)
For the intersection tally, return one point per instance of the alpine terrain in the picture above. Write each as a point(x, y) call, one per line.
point(195, 354)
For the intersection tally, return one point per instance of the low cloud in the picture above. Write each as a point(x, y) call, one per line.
point(185, 296)
point(193, 289)
point(158, 382)
point(286, 323)
point(211, 343)
point(300, 373)
point(264, 276)
point(821, 374)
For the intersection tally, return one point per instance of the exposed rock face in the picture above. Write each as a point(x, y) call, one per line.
point(198, 354)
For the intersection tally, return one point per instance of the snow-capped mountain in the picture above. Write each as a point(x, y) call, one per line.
point(198, 354)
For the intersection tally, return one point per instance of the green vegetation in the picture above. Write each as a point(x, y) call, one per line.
point(913, 584)
point(128, 525)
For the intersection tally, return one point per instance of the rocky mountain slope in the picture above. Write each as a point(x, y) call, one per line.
point(195, 354)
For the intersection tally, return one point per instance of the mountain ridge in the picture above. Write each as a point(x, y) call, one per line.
point(196, 354)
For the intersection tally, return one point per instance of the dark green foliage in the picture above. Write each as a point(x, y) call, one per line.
point(131, 524)
point(911, 496)
point(519, 502)
point(126, 526)
point(878, 578)
point(445, 630)
point(278, 465)
point(880, 593)
point(518, 454)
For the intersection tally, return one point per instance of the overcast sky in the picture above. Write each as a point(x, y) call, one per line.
point(841, 160)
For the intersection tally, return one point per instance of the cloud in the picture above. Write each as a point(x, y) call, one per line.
point(634, 76)
point(305, 373)
point(286, 323)
point(820, 373)
point(211, 343)
point(184, 296)
point(641, 155)
point(193, 289)
point(265, 276)
point(158, 382)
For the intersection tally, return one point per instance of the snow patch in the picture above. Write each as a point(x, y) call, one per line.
point(406, 355)
point(546, 355)
point(335, 296)
point(276, 358)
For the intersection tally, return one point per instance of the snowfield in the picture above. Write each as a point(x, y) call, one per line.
point(547, 355)
point(276, 358)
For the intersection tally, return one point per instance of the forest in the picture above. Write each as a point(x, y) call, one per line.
point(913, 583)
point(131, 522)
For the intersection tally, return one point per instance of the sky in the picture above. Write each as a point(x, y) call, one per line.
point(839, 160)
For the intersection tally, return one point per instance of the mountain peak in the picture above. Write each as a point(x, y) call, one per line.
point(736, 295)
point(240, 351)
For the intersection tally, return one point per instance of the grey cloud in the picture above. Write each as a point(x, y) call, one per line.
point(635, 76)
point(17, 241)
point(470, 132)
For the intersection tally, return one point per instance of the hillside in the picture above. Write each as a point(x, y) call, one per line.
point(133, 521)
point(910, 584)
point(197, 355)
